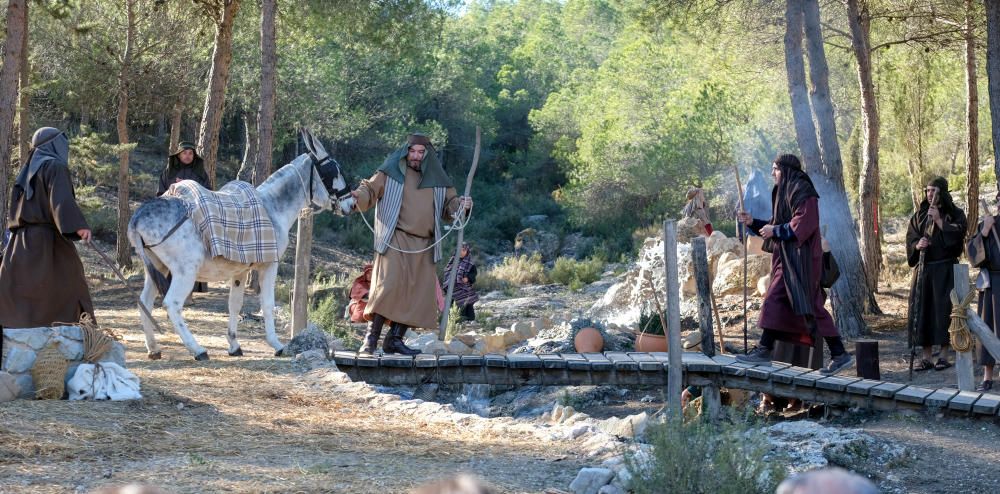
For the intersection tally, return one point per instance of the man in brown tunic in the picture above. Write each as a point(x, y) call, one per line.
point(41, 276)
point(412, 196)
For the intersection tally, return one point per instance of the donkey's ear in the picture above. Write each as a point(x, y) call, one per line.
point(314, 146)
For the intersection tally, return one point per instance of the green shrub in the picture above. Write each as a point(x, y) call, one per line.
point(520, 270)
point(576, 274)
point(454, 322)
point(704, 457)
point(486, 282)
point(327, 314)
point(650, 323)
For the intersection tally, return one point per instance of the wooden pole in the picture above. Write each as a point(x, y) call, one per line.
point(458, 248)
point(701, 276)
point(746, 239)
point(963, 360)
point(673, 330)
point(866, 352)
point(300, 288)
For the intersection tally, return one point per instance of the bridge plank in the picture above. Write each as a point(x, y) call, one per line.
point(862, 387)
point(987, 404)
point(622, 362)
point(425, 361)
point(836, 383)
point(524, 361)
point(342, 358)
point(762, 372)
point(449, 361)
point(963, 401)
point(699, 362)
point(646, 362)
point(913, 394)
point(401, 361)
point(598, 362)
point(576, 362)
point(495, 360)
point(808, 379)
point(787, 374)
point(367, 361)
point(886, 389)
point(472, 360)
point(736, 369)
point(552, 361)
point(941, 397)
point(723, 360)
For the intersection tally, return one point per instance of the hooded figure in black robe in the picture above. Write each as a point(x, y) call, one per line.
point(984, 253)
point(940, 232)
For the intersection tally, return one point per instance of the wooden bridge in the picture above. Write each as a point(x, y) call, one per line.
point(636, 368)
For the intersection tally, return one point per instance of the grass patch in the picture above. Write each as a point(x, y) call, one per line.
point(518, 271)
point(576, 274)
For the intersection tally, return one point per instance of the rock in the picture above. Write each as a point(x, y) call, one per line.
point(310, 339)
point(762, 284)
point(314, 358)
point(623, 479)
point(577, 430)
point(611, 489)
point(723, 258)
point(509, 337)
point(531, 241)
point(495, 343)
point(34, 338)
point(625, 427)
point(729, 280)
point(810, 445)
point(335, 344)
point(71, 349)
point(18, 360)
point(687, 228)
point(470, 338)
point(522, 329)
point(590, 480)
point(456, 347)
point(435, 347)
point(480, 348)
point(575, 245)
point(9, 389)
point(421, 341)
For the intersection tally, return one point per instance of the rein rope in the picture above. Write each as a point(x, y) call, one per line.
point(461, 220)
point(961, 338)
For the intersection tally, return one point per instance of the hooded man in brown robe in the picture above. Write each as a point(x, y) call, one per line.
point(942, 243)
point(41, 276)
point(793, 308)
point(185, 164)
point(412, 196)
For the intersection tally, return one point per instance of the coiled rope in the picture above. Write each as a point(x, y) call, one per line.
point(961, 338)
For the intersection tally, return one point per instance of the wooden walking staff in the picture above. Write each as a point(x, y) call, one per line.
point(918, 289)
point(458, 247)
point(746, 239)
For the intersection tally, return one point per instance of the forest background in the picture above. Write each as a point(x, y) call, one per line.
point(597, 113)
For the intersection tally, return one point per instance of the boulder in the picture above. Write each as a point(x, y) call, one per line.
point(469, 338)
point(530, 241)
point(591, 480)
point(688, 228)
point(522, 329)
point(729, 281)
point(495, 343)
point(456, 347)
point(9, 389)
point(310, 339)
point(575, 245)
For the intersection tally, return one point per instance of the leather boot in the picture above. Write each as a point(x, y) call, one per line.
point(371, 336)
point(394, 341)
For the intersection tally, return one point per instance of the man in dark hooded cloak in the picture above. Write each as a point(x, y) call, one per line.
point(412, 197)
point(937, 228)
point(184, 164)
point(41, 276)
point(984, 253)
point(793, 308)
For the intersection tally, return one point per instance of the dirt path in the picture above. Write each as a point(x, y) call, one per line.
point(245, 425)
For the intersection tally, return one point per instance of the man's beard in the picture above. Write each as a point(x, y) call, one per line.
point(415, 165)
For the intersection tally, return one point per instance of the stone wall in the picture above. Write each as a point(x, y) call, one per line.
point(21, 345)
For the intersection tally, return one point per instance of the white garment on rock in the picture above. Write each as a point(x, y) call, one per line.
point(105, 381)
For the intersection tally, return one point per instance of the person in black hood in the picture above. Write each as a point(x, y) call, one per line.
point(938, 228)
point(184, 164)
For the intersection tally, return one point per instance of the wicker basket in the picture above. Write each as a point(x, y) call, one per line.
point(49, 373)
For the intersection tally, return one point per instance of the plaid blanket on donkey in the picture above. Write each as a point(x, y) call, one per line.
point(232, 221)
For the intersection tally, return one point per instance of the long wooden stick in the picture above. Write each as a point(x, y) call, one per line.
point(458, 248)
point(746, 240)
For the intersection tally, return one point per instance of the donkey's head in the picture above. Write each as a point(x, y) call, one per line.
point(330, 175)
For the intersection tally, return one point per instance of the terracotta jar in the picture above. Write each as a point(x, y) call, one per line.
point(650, 343)
point(588, 340)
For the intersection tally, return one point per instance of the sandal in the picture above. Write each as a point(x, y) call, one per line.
point(985, 385)
point(941, 364)
point(924, 365)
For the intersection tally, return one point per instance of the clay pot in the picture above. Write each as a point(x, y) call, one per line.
point(588, 340)
point(650, 343)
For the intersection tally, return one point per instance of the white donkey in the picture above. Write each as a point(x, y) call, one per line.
point(168, 242)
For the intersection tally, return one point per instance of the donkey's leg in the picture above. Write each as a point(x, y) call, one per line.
point(268, 277)
point(236, 289)
point(173, 301)
point(153, 350)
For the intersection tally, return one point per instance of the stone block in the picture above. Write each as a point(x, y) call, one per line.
point(456, 347)
point(18, 360)
point(9, 389)
point(470, 338)
point(590, 480)
point(71, 349)
point(34, 338)
point(27, 387)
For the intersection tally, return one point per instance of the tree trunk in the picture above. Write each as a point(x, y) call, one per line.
point(211, 118)
point(992, 72)
point(850, 293)
point(23, 112)
point(805, 131)
point(17, 22)
point(869, 185)
point(124, 213)
point(268, 83)
point(248, 170)
point(972, 120)
point(175, 127)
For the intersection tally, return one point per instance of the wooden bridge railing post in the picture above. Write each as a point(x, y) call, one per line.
point(674, 376)
point(699, 254)
point(300, 288)
point(963, 360)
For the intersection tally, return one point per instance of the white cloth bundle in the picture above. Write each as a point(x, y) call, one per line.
point(105, 381)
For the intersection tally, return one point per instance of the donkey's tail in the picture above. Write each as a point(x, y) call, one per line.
point(135, 238)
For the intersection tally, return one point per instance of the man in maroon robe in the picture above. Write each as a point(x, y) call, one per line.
point(793, 308)
point(41, 276)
